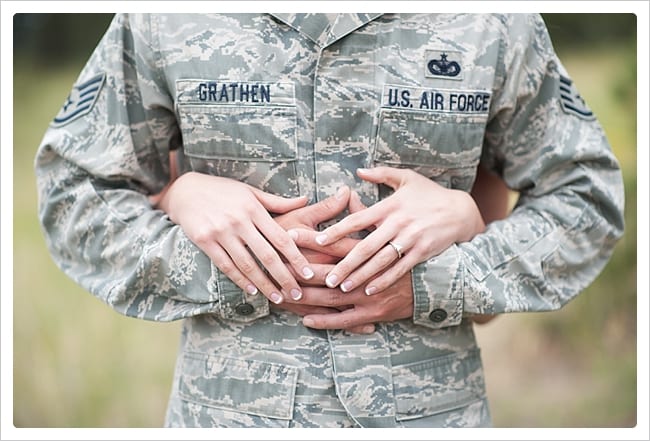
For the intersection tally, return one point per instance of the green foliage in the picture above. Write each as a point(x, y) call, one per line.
point(57, 39)
point(584, 31)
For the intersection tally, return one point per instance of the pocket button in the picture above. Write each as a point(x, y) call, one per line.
point(438, 315)
point(244, 309)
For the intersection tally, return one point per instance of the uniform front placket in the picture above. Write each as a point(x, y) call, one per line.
point(361, 363)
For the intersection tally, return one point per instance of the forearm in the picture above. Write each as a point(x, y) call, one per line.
point(112, 243)
point(537, 259)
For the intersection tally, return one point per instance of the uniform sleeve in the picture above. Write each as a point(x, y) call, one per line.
point(547, 145)
point(106, 150)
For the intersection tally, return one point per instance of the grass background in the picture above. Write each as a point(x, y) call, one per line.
point(79, 364)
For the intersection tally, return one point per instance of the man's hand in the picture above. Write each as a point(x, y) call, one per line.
point(330, 308)
point(307, 219)
point(354, 310)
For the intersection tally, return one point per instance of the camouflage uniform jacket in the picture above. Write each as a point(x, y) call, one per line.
point(293, 104)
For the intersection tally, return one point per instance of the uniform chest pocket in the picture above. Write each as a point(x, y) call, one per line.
point(253, 142)
point(443, 147)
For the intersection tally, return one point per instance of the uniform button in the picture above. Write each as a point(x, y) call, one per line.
point(438, 315)
point(244, 309)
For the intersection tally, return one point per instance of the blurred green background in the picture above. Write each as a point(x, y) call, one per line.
point(79, 364)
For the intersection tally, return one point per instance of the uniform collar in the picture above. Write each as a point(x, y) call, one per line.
point(319, 29)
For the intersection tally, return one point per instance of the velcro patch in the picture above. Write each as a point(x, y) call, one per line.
point(237, 93)
point(571, 101)
point(81, 100)
point(463, 101)
point(444, 64)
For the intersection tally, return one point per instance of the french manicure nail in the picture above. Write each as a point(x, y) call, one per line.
point(340, 192)
point(296, 294)
point(321, 238)
point(276, 298)
point(331, 280)
point(307, 272)
point(251, 289)
point(346, 286)
point(371, 290)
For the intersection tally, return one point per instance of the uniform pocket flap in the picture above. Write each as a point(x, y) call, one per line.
point(428, 139)
point(239, 133)
point(247, 386)
point(438, 385)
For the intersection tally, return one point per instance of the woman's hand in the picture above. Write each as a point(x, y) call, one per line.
point(418, 221)
point(230, 222)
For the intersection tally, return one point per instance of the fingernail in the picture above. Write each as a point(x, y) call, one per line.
point(293, 234)
point(308, 322)
point(371, 290)
point(362, 170)
point(307, 272)
point(296, 294)
point(346, 286)
point(321, 239)
point(340, 192)
point(251, 289)
point(276, 298)
point(331, 280)
point(368, 329)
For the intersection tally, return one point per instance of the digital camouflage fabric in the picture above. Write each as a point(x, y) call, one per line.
point(293, 104)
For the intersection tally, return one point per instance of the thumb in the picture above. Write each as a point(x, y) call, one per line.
point(355, 205)
point(327, 208)
point(362, 329)
point(278, 204)
point(393, 177)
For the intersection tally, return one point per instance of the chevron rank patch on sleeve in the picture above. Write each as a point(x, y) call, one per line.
point(80, 101)
point(571, 100)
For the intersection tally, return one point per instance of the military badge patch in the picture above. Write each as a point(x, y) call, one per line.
point(571, 101)
point(80, 101)
point(443, 64)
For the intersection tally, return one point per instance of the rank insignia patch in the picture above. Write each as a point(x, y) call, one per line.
point(443, 64)
point(80, 101)
point(571, 101)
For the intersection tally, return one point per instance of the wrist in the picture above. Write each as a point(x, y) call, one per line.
point(170, 194)
point(472, 222)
